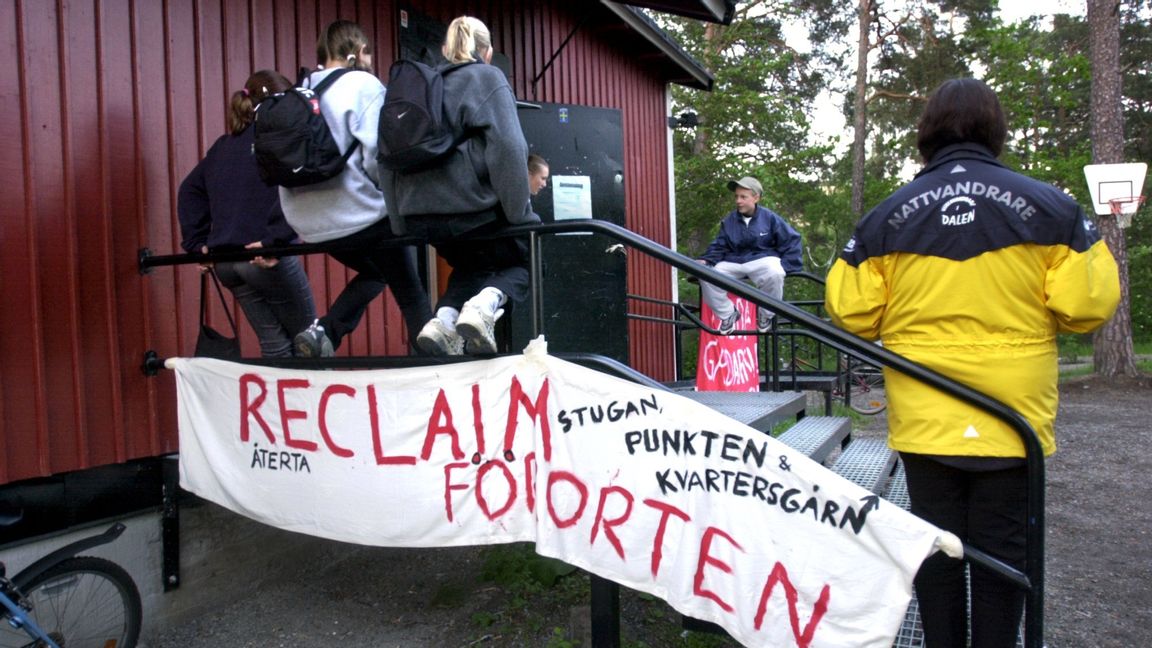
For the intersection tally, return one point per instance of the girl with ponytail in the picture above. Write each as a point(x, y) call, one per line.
point(480, 188)
point(349, 209)
point(223, 205)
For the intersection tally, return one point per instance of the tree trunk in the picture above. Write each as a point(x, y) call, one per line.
point(711, 37)
point(860, 107)
point(1113, 354)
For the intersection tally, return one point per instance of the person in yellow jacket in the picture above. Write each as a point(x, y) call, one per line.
point(971, 269)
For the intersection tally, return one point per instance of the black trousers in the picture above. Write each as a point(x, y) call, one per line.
point(500, 263)
point(376, 267)
point(988, 510)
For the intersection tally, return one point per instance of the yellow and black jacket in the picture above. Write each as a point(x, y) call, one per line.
point(972, 269)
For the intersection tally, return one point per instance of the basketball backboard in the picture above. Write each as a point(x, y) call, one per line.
point(1123, 183)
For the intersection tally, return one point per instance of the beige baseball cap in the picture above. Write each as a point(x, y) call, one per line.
point(747, 182)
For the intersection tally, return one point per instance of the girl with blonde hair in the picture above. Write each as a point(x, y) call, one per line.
point(480, 188)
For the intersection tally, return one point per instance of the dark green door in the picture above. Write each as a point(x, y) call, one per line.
point(583, 292)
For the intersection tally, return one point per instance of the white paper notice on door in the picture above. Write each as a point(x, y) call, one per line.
point(571, 197)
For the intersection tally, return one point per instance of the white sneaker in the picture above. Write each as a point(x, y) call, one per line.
point(728, 324)
point(437, 339)
point(764, 320)
point(477, 326)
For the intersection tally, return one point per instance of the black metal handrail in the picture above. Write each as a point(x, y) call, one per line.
point(1033, 575)
point(1031, 579)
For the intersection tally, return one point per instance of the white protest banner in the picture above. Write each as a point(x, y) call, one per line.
point(641, 486)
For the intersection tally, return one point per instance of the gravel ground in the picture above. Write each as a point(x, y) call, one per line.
point(1099, 577)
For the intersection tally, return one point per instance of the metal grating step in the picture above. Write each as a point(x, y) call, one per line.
point(817, 436)
point(911, 633)
point(867, 462)
point(760, 410)
point(897, 491)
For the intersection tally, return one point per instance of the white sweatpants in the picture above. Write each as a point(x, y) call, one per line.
point(766, 274)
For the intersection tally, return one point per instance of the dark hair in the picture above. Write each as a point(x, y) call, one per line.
point(342, 41)
point(321, 52)
point(242, 105)
point(961, 110)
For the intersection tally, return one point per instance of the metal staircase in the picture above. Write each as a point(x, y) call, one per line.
point(827, 439)
point(867, 462)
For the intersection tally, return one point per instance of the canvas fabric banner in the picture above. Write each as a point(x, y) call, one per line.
point(728, 362)
point(638, 485)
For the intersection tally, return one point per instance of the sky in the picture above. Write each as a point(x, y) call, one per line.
point(1014, 10)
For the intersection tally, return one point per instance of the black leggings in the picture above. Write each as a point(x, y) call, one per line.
point(377, 267)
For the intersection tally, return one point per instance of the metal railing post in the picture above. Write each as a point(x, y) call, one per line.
point(537, 282)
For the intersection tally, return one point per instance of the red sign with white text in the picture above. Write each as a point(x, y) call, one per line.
point(729, 362)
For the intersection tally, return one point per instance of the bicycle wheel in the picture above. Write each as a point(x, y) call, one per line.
point(866, 390)
point(82, 602)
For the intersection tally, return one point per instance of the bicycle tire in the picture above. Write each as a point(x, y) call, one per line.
point(81, 602)
point(867, 395)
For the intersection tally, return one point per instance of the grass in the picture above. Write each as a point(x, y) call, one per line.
point(1078, 348)
point(1075, 349)
point(539, 592)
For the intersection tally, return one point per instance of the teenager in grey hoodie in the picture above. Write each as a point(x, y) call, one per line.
point(349, 208)
point(482, 187)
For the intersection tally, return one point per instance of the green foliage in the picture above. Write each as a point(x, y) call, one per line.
point(756, 120)
point(1074, 348)
point(531, 582)
point(1043, 79)
point(559, 639)
point(689, 338)
point(518, 566)
point(1138, 239)
point(484, 619)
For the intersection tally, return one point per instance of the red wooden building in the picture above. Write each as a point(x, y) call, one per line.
point(112, 102)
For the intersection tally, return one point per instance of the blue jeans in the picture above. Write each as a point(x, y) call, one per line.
point(277, 301)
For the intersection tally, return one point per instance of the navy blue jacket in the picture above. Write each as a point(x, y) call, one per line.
point(224, 204)
point(766, 235)
point(936, 214)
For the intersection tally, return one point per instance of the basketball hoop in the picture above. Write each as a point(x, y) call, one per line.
point(1116, 189)
point(1124, 208)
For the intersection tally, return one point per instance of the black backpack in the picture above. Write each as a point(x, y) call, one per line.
point(414, 132)
point(294, 146)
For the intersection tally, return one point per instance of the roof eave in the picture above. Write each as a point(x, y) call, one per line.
point(695, 75)
point(717, 11)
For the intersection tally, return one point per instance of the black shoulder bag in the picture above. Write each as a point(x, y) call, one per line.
point(211, 343)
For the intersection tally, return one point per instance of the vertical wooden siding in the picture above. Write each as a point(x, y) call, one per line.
point(114, 101)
